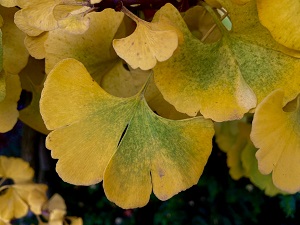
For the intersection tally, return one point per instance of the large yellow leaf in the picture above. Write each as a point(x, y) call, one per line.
point(93, 48)
point(8, 107)
point(277, 135)
point(282, 20)
point(16, 169)
point(149, 43)
point(222, 80)
point(168, 156)
point(12, 205)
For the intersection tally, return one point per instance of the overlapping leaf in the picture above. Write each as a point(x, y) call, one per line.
point(93, 48)
point(203, 77)
point(149, 43)
point(277, 135)
point(87, 141)
point(282, 20)
point(224, 79)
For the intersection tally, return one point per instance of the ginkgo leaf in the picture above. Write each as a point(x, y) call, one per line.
point(93, 48)
point(250, 165)
point(282, 22)
point(87, 141)
point(149, 43)
point(8, 107)
point(4, 222)
point(12, 205)
point(24, 25)
point(277, 135)
point(15, 55)
point(226, 77)
point(35, 45)
point(40, 14)
point(16, 169)
point(203, 77)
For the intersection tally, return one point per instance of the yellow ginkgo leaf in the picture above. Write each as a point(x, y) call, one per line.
point(103, 27)
point(15, 55)
point(8, 107)
point(277, 135)
point(281, 18)
point(90, 145)
point(16, 169)
point(149, 43)
point(4, 222)
point(25, 25)
point(39, 13)
point(12, 205)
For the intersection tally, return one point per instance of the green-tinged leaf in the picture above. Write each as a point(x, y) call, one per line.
point(277, 135)
point(16, 169)
point(8, 107)
point(153, 153)
point(281, 18)
point(203, 77)
point(224, 79)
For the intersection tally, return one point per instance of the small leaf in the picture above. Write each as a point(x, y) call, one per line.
point(277, 135)
point(16, 169)
point(149, 43)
